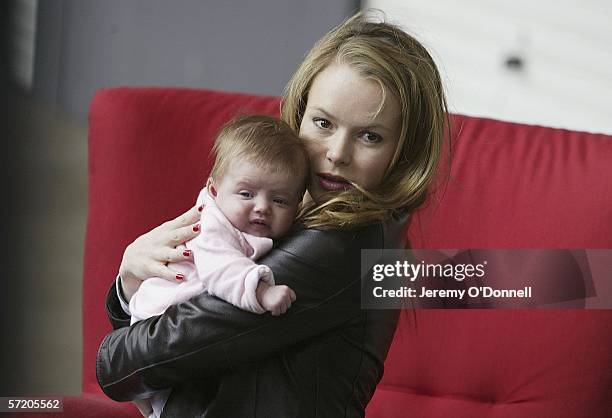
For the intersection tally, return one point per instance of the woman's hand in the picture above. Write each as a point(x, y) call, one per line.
point(150, 253)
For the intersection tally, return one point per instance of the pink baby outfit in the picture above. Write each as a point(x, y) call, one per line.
point(223, 266)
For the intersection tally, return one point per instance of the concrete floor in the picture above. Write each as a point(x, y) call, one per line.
point(50, 213)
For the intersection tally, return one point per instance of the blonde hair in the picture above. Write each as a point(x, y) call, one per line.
point(262, 140)
point(402, 67)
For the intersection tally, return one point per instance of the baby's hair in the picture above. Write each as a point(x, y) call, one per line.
point(262, 140)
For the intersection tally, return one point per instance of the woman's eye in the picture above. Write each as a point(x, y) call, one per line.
point(371, 137)
point(322, 123)
point(246, 194)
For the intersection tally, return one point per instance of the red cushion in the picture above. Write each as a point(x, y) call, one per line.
point(498, 364)
point(519, 186)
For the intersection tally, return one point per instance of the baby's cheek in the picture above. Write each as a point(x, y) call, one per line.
point(237, 216)
point(285, 222)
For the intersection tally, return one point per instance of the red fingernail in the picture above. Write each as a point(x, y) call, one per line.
point(179, 276)
point(196, 228)
point(187, 253)
point(200, 208)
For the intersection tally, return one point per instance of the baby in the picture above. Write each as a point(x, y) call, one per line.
point(251, 197)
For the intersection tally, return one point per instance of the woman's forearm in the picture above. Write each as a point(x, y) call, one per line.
point(206, 336)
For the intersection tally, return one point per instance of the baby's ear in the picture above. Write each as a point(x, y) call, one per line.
point(212, 187)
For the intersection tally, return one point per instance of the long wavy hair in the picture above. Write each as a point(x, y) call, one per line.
point(384, 53)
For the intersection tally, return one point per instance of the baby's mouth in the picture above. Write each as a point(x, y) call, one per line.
point(259, 223)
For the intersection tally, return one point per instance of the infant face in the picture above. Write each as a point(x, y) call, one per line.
point(257, 200)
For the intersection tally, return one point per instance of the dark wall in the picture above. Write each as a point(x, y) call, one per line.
point(248, 46)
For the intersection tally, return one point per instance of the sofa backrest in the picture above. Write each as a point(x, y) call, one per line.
point(519, 186)
point(509, 186)
point(148, 158)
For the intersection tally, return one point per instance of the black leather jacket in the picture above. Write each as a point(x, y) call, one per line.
point(323, 358)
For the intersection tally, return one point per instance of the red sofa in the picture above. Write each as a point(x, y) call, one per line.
point(510, 186)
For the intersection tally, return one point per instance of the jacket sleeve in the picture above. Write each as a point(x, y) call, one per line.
point(115, 312)
point(206, 336)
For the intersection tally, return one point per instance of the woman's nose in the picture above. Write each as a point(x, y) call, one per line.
point(339, 149)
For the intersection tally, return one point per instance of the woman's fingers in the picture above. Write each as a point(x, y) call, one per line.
point(172, 255)
point(167, 273)
point(148, 255)
point(185, 219)
point(183, 234)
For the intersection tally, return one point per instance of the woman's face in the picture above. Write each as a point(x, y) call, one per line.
point(346, 135)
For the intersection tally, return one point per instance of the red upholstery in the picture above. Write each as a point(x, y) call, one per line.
point(510, 186)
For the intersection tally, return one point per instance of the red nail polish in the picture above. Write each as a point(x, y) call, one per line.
point(179, 276)
point(196, 228)
point(187, 253)
point(200, 208)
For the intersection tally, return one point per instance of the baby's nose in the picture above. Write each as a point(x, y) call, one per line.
point(262, 206)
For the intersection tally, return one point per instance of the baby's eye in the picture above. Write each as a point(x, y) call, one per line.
point(280, 201)
point(371, 137)
point(245, 194)
point(322, 123)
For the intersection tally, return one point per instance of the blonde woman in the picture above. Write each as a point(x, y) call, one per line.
point(369, 104)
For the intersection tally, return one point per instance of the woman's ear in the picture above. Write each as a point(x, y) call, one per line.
point(212, 187)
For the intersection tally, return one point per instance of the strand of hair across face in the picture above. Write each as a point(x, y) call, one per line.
point(339, 211)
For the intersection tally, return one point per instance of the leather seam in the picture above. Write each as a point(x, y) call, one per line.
point(316, 410)
point(103, 347)
point(363, 337)
point(359, 368)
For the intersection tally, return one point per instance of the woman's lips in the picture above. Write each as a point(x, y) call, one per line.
point(332, 183)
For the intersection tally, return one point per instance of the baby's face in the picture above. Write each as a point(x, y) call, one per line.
point(257, 200)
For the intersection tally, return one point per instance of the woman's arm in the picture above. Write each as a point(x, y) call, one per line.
point(205, 335)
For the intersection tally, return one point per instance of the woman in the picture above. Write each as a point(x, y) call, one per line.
point(369, 104)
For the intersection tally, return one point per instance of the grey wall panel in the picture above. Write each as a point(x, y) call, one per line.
point(48, 50)
point(231, 45)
